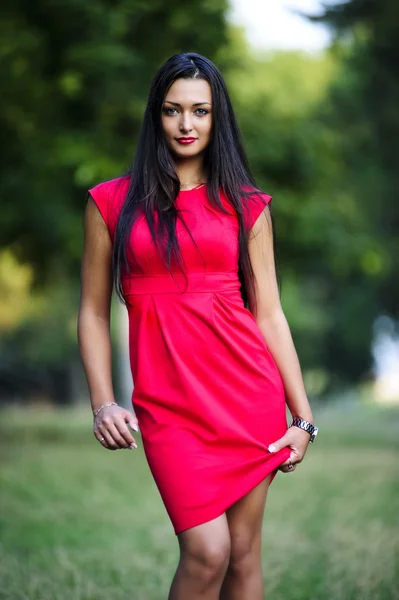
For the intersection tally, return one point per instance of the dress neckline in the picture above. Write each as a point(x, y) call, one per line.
point(194, 189)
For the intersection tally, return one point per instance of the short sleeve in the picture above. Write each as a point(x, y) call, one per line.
point(100, 195)
point(255, 204)
point(109, 197)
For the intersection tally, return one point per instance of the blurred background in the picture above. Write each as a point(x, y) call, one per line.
point(316, 91)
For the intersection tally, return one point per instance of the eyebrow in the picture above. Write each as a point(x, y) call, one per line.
point(196, 104)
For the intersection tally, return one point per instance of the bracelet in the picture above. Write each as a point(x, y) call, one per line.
point(95, 413)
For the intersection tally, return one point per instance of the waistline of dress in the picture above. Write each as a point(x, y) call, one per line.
point(195, 283)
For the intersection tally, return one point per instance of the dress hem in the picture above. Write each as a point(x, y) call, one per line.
point(206, 515)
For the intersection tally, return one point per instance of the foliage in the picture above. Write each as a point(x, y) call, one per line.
point(75, 77)
point(363, 112)
point(321, 133)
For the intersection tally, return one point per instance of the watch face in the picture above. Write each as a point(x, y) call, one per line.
point(314, 434)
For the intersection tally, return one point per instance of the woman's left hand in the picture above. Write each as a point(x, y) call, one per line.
point(298, 440)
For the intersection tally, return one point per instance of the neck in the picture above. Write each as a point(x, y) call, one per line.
point(190, 172)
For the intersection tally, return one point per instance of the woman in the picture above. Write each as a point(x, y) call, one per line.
point(186, 238)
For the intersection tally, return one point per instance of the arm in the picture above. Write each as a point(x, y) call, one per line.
point(94, 330)
point(95, 303)
point(273, 324)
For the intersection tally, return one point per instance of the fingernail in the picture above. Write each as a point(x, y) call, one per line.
point(135, 427)
point(272, 448)
point(133, 446)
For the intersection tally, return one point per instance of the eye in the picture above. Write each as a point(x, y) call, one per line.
point(167, 110)
point(201, 112)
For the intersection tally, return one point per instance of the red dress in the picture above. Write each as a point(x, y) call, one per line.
point(208, 396)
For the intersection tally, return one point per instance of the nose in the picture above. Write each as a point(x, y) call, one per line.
point(186, 124)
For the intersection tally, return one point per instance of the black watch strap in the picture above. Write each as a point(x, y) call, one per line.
point(306, 426)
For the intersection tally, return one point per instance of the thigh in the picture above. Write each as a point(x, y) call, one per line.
point(245, 519)
point(208, 542)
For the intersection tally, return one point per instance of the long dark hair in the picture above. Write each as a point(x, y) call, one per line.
point(154, 184)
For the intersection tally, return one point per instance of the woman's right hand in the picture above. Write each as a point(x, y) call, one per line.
point(110, 427)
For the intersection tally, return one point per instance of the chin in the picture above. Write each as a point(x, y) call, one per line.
point(186, 152)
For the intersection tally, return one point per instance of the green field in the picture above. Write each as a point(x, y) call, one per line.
point(78, 522)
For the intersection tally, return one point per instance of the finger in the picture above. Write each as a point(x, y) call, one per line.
point(279, 444)
point(287, 466)
point(131, 420)
point(118, 439)
point(286, 469)
point(124, 433)
point(292, 459)
point(113, 437)
point(105, 439)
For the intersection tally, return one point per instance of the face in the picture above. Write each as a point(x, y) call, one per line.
point(187, 117)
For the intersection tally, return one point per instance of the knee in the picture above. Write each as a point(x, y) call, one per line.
point(245, 554)
point(208, 561)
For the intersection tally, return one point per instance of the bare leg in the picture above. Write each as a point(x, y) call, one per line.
point(244, 580)
point(204, 556)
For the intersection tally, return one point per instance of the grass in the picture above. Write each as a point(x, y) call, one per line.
point(80, 523)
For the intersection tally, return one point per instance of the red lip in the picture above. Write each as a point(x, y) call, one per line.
point(188, 140)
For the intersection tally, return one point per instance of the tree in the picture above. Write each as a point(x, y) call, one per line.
point(364, 101)
point(75, 76)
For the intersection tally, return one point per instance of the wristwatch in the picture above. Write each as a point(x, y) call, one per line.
point(306, 426)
